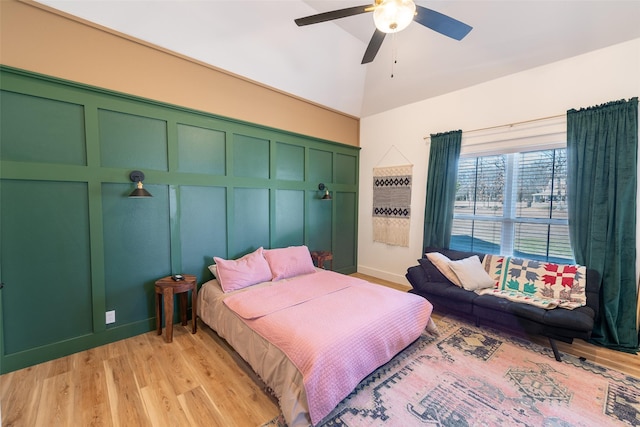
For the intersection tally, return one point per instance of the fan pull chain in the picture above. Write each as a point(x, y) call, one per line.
point(394, 53)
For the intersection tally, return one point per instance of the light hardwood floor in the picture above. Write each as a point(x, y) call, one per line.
point(143, 381)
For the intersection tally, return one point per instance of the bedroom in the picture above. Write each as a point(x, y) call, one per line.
point(539, 87)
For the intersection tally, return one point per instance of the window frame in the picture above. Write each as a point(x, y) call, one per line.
point(510, 140)
point(509, 218)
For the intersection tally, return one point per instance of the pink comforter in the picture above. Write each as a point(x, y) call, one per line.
point(336, 329)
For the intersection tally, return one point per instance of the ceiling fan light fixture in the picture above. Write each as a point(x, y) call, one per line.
point(392, 16)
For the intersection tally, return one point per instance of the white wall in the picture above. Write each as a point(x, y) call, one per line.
point(388, 138)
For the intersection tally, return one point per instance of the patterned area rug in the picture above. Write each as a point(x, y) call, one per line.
point(472, 376)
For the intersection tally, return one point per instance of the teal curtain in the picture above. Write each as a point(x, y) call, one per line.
point(441, 188)
point(602, 151)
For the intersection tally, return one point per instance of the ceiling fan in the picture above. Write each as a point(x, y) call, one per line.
point(391, 16)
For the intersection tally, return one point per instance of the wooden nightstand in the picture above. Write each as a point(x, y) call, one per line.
point(166, 288)
point(320, 257)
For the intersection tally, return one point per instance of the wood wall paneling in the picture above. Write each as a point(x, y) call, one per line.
point(250, 157)
point(250, 221)
point(137, 250)
point(201, 150)
point(203, 228)
point(74, 245)
point(321, 223)
point(320, 166)
point(345, 229)
point(128, 140)
point(54, 133)
point(289, 218)
point(289, 162)
point(45, 263)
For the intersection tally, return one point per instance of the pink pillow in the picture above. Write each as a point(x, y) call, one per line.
point(242, 272)
point(289, 262)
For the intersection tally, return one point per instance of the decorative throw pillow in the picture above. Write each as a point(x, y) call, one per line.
point(289, 262)
point(214, 270)
point(442, 263)
point(242, 272)
point(471, 274)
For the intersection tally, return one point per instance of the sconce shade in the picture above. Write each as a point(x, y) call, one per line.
point(139, 192)
point(324, 188)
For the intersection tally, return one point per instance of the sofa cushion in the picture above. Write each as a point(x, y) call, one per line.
point(431, 271)
point(450, 291)
point(528, 311)
point(454, 254)
point(492, 302)
point(578, 319)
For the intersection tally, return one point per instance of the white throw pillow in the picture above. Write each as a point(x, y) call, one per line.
point(471, 274)
point(442, 263)
point(214, 270)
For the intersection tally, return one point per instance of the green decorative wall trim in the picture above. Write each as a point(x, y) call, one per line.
point(74, 245)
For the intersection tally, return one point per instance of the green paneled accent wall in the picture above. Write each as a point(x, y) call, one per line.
point(321, 216)
point(128, 140)
point(137, 249)
point(250, 157)
point(289, 218)
point(74, 245)
point(289, 162)
point(250, 221)
point(45, 263)
point(55, 133)
point(346, 227)
point(346, 169)
point(201, 150)
point(203, 227)
point(321, 166)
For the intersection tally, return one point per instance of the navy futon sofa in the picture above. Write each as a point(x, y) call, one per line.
point(555, 324)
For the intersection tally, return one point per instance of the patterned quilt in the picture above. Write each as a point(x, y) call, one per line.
point(543, 284)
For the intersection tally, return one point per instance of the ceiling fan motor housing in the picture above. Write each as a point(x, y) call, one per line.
point(391, 16)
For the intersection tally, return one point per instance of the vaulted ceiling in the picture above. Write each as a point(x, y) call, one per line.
point(258, 39)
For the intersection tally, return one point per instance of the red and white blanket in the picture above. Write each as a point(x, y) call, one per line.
point(336, 329)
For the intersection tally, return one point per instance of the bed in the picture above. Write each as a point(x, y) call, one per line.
point(310, 334)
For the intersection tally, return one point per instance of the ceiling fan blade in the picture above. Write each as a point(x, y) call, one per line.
point(334, 14)
point(374, 46)
point(440, 23)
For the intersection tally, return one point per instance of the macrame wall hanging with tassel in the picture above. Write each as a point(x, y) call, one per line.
point(392, 204)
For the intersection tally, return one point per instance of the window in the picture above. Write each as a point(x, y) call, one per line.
point(513, 204)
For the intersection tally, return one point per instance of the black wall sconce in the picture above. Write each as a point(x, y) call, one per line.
point(324, 188)
point(139, 192)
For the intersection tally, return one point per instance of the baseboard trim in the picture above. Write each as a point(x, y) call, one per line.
point(384, 275)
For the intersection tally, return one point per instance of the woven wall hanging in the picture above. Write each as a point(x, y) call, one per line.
point(392, 204)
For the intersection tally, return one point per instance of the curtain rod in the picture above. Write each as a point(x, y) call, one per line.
point(510, 124)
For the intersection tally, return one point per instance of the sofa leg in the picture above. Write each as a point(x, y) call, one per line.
point(554, 347)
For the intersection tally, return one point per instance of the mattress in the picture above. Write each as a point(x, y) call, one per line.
point(393, 330)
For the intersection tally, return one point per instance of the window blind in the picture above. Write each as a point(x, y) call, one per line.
point(513, 204)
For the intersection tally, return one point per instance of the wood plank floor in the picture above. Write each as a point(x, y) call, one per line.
point(196, 380)
point(141, 381)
